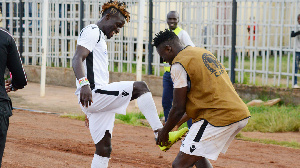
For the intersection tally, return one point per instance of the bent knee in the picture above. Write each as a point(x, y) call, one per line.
point(104, 151)
point(141, 86)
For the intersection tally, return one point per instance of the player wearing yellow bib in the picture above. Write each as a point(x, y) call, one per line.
point(202, 90)
point(167, 98)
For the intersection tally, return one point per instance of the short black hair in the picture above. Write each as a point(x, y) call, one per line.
point(164, 36)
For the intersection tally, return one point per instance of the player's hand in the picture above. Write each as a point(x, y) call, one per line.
point(162, 138)
point(176, 128)
point(86, 96)
point(86, 122)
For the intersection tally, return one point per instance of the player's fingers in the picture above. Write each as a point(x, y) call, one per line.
point(82, 101)
point(86, 102)
point(157, 141)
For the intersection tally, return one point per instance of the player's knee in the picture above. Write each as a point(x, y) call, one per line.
point(104, 150)
point(175, 164)
point(179, 164)
point(139, 88)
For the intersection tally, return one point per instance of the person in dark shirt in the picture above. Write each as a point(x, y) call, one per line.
point(9, 58)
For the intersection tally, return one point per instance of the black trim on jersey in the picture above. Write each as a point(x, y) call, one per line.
point(99, 36)
point(90, 71)
point(87, 27)
point(114, 93)
point(201, 131)
point(189, 82)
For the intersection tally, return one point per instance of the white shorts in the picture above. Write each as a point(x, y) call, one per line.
point(110, 99)
point(206, 140)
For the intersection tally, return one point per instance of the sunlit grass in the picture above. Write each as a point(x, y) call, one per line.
point(291, 144)
point(274, 119)
point(263, 119)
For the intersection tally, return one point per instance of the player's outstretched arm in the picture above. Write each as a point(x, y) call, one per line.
point(85, 93)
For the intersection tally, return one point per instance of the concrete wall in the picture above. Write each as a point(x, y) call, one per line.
point(66, 77)
point(287, 96)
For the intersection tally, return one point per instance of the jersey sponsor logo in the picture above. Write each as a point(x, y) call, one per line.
point(192, 148)
point(212, 64)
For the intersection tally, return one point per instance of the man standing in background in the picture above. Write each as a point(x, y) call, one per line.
point(10, 58)
point(296, 34)
point(167, 97)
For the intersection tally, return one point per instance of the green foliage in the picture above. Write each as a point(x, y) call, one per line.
point(263, 119)
point(292, 144)
point(126, 68)
point(74, 116)
point(274, 119)
point(263, 64)
point(131, 118)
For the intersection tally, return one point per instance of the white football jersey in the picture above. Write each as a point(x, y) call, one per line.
point(96, 63)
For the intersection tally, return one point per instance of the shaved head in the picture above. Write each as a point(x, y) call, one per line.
point(172, 19)
point(173, 13)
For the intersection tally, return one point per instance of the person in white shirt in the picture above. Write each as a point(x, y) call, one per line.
point(296, 34)
point(167, 97)
point(99, 99)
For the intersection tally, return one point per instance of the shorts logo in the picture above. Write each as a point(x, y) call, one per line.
point(124, 93)
point(212, 64)
point(192, 148)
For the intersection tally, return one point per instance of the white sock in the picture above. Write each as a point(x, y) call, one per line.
point(99, 162)
point(147, 106)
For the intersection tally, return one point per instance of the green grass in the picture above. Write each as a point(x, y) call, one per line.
point(274, 119)
point(292, 144)
point(261, 64)
point(131, 118)
point(263, 119)
point(126, 68)
point(74, 116)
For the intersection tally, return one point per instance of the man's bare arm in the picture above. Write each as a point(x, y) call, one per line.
point(85, 93)
point(176, 113)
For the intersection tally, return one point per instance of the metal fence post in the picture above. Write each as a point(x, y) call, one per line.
point(21, 28)
point(233, 41)
point(81, 14)
point(150, 47)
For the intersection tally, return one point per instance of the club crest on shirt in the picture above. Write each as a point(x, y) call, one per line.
point(212, 64)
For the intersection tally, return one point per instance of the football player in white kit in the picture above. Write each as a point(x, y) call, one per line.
point(101, 100)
